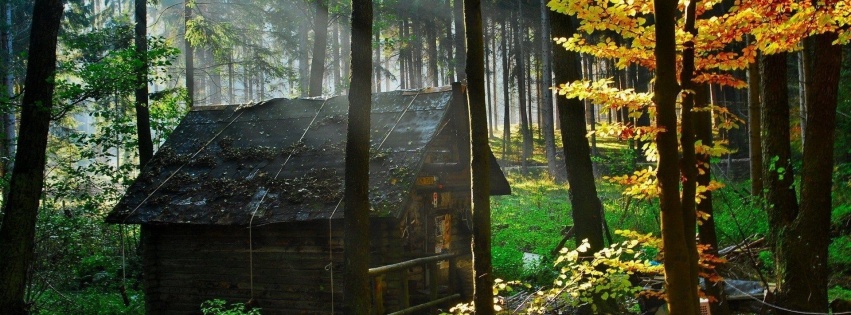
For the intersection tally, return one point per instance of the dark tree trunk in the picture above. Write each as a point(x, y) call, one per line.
point(8, 118)
point(356, 194)
point(546, 106)
point(506, 114)
point(303, 60)
point(143, 120)
point(17, 234)
point(520, 74)
point(460, 58)
point(189, 55)
point(706, 230)
point(335, 56)
point(320, 41)
point(577, 153)
point(431, 38)
point(776, 151)
point(803, 243)
point(754, 129)
point(480, 169)
point(679, 275)
point(688, 161)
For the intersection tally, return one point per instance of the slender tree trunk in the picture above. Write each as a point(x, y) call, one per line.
point(189, 55)
point(377, 65)
point(356, 194)
point(480, 168)
point(143, 124)
point(506, 117)
point(679, 275)
point(546, 107)
point(488, 79)
point(460, 59)
point(335, 56)
point(803, 243)
point(431, 38)
point(448, 42)
point(706, 230)
point(520, 74)
point(345, 62)
point(8, 118)
point(230, 78)
point(303, 60)
point(688, 161)
point(755, 132)
point(320, 43)
point(17, 234)
point(493, 66)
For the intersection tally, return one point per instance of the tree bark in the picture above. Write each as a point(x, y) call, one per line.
point(706, 230)
point(679, 275)
point(506, 115)
point(143, 120)
point(520, 74)
point(460, 59)
point(577, 153)
point(320, 41)
point(356, 194)
point(9, 130)
point(803, 243)
point(546, 107)
point(189, 57)
point(480, 151)
point(777, 176)
point(688, 161)
point(754, 128)
point(17, 234)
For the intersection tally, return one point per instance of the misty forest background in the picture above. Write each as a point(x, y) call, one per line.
point(226, 52)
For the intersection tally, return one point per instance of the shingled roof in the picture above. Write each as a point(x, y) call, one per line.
point(282, 160)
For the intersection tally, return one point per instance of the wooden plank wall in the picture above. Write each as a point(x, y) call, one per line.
point(187, 265)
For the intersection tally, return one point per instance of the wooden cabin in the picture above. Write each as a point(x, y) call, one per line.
point(244, 202)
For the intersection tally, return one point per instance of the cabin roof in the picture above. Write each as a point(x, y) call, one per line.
point(282, 160)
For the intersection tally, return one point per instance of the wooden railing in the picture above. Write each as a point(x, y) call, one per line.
point(430, 266)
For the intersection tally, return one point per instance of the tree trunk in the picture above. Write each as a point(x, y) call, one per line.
point(143, 120)
point(520, 74)
point(320, 41)
point(335, 56)
point(8, 118)
point(17, 234)
point(506, 114)
point(303, 60)
point(776, 151)
point(754, 130)
point(577, 153)
point(431, 38)
point(688, 161)
point(706, 230)
point(480, 168)
point(803, 243)
point(460, 58)
point(189, 52)
point(679, 276)
point(345, 61)
point(356, 194)
point(546, 107)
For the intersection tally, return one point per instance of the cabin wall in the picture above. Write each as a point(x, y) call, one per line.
point(186, 265)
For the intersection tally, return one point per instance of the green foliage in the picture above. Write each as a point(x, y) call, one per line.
point(220, 307)
point(617, 162)
point(529, 220)
point(89, 301)
point(838, 292)
point(839, 254)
